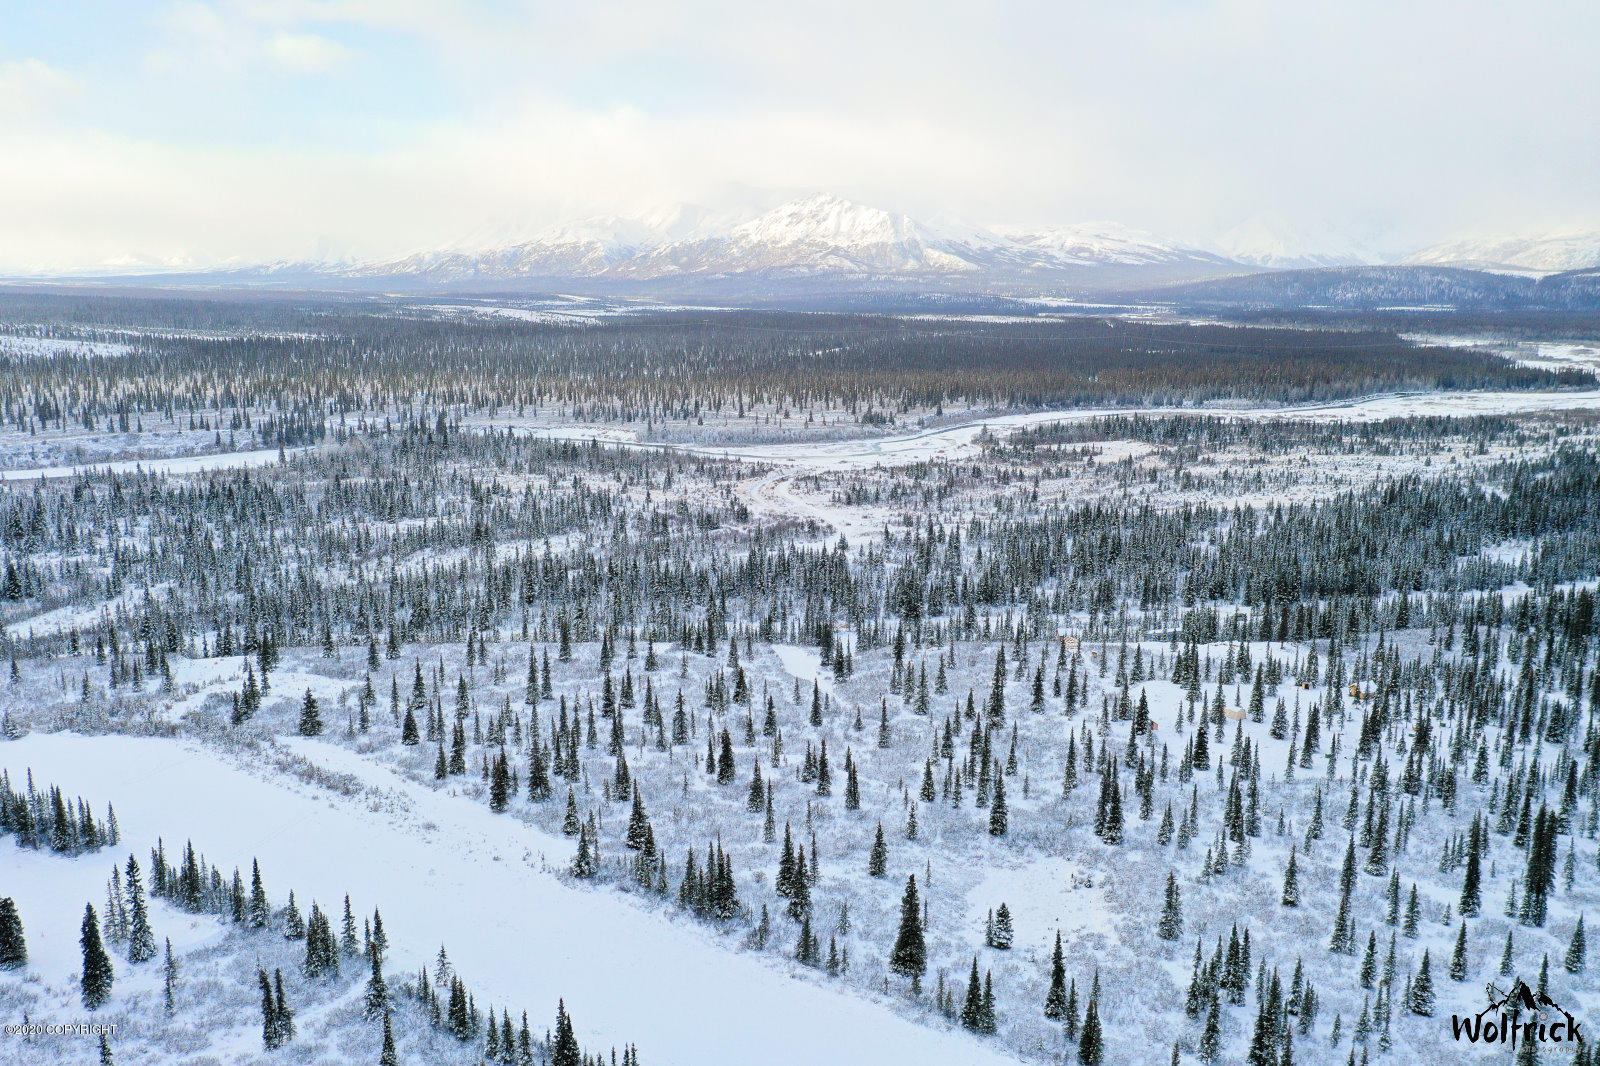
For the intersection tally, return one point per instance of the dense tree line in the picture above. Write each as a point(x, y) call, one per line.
point(288, 365)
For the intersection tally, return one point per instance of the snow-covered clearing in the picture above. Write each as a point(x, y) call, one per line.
point(46, 347)
point(194, 464)
point(443, 869)
point(1045, 895)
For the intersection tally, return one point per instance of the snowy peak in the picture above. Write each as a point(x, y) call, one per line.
point(1270, 241)
point(828, 234)
point(1103, 243)
point(581, 248)
point(821, 234)
point(813, 237)
point(1548, 254)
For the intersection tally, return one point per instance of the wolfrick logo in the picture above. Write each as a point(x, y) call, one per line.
point(1501, 1022)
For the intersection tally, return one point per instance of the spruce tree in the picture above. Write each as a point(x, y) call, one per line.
point(1111, 823)
point(169, 981)
point(97, 975)
point(1458, 958)
point(878, 858)
point(388, 1056)
point(270, 1037)
point(986, 1016)
point(1171, 925)
point(281, 1011)
point(1471, 884)
point(1291, 883)
point(500, 785)
point(1055, 1001)
point(141, 940)
point(564, 1051)
point(1211, 1037)
point(13, 945)
point(1002, 928)
point(260, 908)
point(909, 958)
point(998, 818)
point(1265, 1039)
point(972, 1006)
point(1421, 1002)
point(1091, 1046)
point(310, 717)
point(377, 994)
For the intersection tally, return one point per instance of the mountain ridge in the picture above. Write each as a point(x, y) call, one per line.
point(818, 235)
point(823, 243)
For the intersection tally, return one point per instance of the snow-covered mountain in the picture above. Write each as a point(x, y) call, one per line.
point(821, 236)
point(826, 240)
point(1106, 243)
point(580, 249)
point(1270, 241)
point(1547, 254)
point(583, 248)
point(828, 235)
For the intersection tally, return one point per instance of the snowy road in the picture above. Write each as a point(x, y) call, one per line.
point(444, 869)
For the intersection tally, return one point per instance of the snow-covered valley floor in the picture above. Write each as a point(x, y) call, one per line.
point(444, 870)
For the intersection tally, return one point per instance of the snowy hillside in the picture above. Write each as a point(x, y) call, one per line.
point(1106, 243)
point(1269, 240)
point(1543, 254)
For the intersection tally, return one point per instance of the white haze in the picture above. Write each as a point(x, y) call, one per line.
point(228, 134)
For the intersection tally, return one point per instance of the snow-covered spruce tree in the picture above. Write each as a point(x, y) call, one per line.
point(260, 908)
point(1003, 933)
point(376, 999)
point(169, 982)
point(141, 939)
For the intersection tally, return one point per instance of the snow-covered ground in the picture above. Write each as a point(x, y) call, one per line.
point(444, 870)
point(27, 347)
point(362, 813)
point(193, 464)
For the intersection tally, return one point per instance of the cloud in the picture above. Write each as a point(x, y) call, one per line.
point(305, 53)
point(544, 161)
point(236, 38)
point(32, 88)
point(1185, 117)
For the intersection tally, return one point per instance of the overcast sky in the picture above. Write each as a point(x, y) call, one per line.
point(266, 129)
